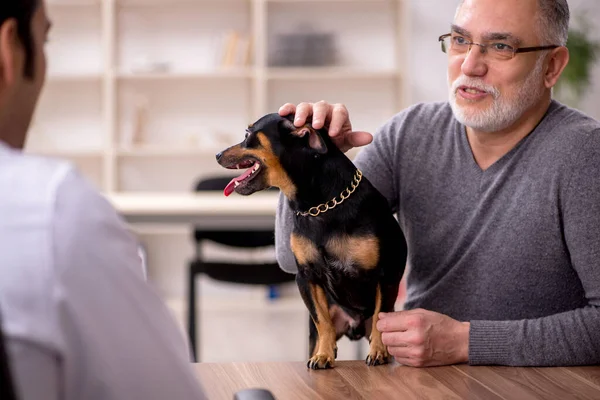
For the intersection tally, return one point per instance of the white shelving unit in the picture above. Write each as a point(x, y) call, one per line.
point(109, 59)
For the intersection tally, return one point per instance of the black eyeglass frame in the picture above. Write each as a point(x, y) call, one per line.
point(484, 46)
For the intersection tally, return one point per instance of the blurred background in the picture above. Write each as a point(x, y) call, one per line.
point(141, 94)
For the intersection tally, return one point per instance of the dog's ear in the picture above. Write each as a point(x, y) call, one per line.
point(315, 141)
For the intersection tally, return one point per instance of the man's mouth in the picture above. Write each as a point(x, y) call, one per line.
point(470, 93)
point(253, 169)
point(471, 90)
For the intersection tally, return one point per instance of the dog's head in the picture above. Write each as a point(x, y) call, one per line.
point(272, 148)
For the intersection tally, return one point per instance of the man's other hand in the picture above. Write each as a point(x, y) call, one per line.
point(422, 338)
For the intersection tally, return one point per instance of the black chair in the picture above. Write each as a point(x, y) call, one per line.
point(7, 388)
point(262, 273)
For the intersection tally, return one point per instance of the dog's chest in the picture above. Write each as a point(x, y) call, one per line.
point(351, 254)
point(346, 264)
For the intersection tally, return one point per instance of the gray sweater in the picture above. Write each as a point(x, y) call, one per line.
point(514, 249)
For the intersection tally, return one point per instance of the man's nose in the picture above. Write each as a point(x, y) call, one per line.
point(475, 63)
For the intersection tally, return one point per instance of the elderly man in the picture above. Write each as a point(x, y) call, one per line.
point(498, 195)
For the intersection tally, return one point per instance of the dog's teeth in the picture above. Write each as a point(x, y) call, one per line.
point(256, 166)
point(236, 184)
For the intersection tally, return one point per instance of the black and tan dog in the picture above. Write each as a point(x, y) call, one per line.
point(348, 246)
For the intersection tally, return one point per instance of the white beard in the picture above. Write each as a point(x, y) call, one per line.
point(504, 111)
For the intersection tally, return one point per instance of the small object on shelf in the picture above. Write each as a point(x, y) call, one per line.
point(144, 65)
point(136, 135)
point(304, 48)
point(231, 43)
point(237, 50)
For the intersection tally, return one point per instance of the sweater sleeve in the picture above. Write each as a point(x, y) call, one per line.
point(377, 163)
point(572, 337)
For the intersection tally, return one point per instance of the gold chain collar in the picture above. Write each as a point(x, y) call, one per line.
point(331, 204)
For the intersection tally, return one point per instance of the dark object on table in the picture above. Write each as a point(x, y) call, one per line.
point(253, 394)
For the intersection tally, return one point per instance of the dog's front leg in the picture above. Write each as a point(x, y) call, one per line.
point(378, 353)
point(307, 258)
point(323, 355)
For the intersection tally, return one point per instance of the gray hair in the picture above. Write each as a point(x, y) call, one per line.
point(553, 22)
point(552, 25)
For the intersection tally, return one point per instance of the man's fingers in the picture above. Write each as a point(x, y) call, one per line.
point(410, 362)
point(303, 111)
point(394, 339)
point(392, 322)
point(352, 139)
point(287, 109)
point(359, 138)
point(321, 113)
point(339, 119)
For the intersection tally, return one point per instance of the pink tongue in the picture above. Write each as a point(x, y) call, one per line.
point(229, 188)
point(231, 185)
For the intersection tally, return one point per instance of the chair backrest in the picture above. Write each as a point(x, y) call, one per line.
point(7, 387)
point(249, 238)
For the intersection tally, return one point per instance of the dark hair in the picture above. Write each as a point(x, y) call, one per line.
point(22, 11)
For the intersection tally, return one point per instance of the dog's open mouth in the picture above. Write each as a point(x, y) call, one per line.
point(253, 168)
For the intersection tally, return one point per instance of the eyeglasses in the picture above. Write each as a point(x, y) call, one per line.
point(497, 50)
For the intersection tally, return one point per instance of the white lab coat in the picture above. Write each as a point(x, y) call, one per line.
point(81, 321)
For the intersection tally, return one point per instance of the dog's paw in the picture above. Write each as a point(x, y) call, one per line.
point(320, 361)
point(378, 357)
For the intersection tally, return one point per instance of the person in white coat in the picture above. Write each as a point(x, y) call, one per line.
point(79, 319)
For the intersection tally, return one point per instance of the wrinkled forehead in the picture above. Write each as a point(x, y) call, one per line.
point(483, 19)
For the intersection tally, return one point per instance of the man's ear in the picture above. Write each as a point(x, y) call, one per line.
point(9, 52)
point(557, 62)
point(315, 141)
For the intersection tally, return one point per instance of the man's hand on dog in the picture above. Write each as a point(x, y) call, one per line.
point(422, 338)
point(332, 116)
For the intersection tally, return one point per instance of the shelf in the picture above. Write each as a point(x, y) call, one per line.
point(74, 3)
point(75, 77)
point(170, 3)
point(242, 73)
point(332, 1)
point(66, 153)
point(321, 73)
point(287, 73)
point(167, 152)
point(153, 71)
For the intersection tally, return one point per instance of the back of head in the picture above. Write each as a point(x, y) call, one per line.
point(22, 11)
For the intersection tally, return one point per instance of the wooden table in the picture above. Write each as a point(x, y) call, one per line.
point(354, 380)
point(208, 210)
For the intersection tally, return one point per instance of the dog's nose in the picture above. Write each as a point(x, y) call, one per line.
point(219, 155)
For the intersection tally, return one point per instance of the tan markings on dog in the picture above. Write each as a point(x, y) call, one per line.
point(304, 249)
point(362, 251)
point(378, 353)
point(276, 174)
point(324, 354)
